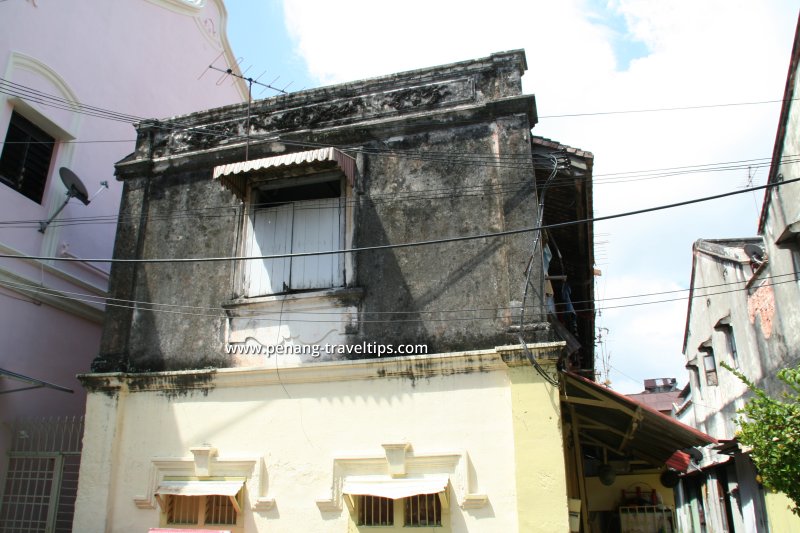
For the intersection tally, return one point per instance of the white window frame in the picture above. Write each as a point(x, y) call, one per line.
point(299, 274)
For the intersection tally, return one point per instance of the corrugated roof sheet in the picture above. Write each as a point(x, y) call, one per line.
point(394, 488)
point(623, 424)
point(200, 488)
point(234, 175)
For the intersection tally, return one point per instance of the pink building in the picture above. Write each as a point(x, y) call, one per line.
point(74, 76)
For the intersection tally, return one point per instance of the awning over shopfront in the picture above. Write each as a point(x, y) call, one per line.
point(235, 175)
point(622, 425)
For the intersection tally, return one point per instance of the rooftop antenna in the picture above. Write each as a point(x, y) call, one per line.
point(75, 189)
point(250, 83)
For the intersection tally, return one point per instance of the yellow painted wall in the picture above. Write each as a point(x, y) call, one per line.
point(607, 498)
point(504, 421)
point(781, 518)
point(538, 452)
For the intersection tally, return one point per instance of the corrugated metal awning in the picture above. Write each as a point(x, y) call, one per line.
point(234, 175)
point(229, 488)
point(200, 488)
point(605, 417)
point(386, 487)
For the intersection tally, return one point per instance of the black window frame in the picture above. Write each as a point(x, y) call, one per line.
point(26, 158)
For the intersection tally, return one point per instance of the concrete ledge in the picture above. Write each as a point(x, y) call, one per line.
point(410, 367)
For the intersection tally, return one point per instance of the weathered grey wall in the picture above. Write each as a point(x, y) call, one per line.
point(433, 117)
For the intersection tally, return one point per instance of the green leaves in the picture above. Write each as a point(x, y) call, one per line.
point(772, 428)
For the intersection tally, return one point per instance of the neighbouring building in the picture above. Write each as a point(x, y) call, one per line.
point(744, 310)
point(404, 346)
point(74, 76)
point(660, 394)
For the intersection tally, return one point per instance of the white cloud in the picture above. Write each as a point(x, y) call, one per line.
point(699, 52)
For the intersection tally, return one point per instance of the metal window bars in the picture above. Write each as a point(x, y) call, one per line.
point(423, 510)
point(375, 511)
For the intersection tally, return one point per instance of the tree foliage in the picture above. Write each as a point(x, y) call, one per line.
point(771, 427)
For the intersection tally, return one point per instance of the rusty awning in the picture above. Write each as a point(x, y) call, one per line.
point(235, 175)
point(622, 425)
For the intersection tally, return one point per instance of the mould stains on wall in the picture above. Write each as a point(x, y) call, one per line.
point(447, 130)
point(173, 384)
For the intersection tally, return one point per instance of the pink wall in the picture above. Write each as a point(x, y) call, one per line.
point(146, 58)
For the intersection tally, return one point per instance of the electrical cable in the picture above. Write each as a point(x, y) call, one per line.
point(91, 298)
point(537, 239)
point(419, 195)
point(412, 244)
point(36, 289)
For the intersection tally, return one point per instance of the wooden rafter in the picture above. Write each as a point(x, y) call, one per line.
point(600, 400)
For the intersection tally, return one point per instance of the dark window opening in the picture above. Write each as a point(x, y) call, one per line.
point(710, 364)
point(730, 343)
point(423, 510)
point(25, 161)
point(375, 511)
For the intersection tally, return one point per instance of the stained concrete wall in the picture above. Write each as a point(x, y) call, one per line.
point(416, 136)
point(717, 266)
point(781, 218)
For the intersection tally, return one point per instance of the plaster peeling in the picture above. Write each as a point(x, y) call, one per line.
point(762, 303)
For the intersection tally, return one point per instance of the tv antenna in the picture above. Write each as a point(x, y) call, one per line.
point(75, 189)
point(250, 83)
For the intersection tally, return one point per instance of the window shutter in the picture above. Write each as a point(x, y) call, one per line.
point(317, 228)
point(271, 235)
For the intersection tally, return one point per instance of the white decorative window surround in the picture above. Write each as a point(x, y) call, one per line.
point(204, 464)
point(399, 472)
point(295, 203)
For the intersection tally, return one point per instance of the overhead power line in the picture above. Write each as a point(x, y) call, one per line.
point(415, 243)
point(284, 316)
point(474, 191)
point(36, 96)
point(155, 306)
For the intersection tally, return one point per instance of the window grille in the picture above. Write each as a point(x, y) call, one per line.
point(25, 160)
point(41, 481)
point(220, 510)
point(212, 509)
point(423, 510)
point(182, 509)
point(375, 511)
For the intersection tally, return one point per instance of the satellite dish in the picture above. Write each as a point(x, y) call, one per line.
point(669, 478)
point(75, 189)
point(74, 185)
point(606, 474)
point(754, 252)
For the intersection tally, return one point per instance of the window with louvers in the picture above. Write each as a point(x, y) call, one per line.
point(26, 156)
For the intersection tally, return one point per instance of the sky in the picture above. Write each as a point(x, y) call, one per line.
point(585, 57)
